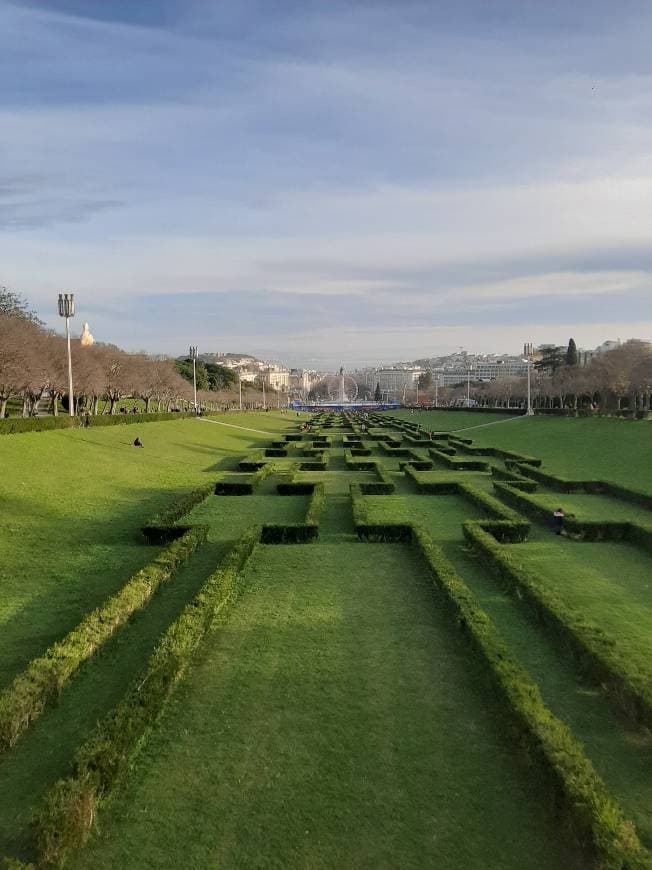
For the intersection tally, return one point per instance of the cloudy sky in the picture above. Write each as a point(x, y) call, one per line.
point(326, 180)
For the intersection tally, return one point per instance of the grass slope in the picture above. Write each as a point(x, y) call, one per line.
point(336, 720)
point(72, 503)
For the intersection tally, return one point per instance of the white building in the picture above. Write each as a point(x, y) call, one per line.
point(393, 380)
point(275, 377)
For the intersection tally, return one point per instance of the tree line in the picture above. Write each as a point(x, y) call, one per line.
point(619, 380)
point(34, 364)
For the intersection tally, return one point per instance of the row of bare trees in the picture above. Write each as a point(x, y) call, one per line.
point(618, 380)
point(34, 364)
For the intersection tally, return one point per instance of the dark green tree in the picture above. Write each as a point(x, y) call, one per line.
point(571, 353)
point(552, 358)
point(184, 367)
point(377, 394)
point(425, 381)
point(220, 377)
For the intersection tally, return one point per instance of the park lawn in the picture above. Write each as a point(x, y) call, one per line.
point(620, 753)
point(580, 448)
point(607, 583)
point(73, 502)
point(448, 421)
point(587, 506)
point(335, 719)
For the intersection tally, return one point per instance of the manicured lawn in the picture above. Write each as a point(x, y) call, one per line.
point(335, 720)
point(610, 584)
point(621, 754)
point(72, 504)
point(448, 421)
point(335, 716)
point(580, 448)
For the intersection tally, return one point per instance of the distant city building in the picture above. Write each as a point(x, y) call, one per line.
point(396, 379)
point(275, 377)
point(584, 357)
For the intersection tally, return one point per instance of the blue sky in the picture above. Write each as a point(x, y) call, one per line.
point(324, 181)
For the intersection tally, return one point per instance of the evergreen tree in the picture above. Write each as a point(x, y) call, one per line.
point(571, 353)
point(377, 394)
point(552, 358)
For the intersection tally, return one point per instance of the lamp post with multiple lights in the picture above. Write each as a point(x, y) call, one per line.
point(193, 357)
point(67, 310)
point(528, 351)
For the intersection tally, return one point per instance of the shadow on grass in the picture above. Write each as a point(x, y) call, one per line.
point(45, 752)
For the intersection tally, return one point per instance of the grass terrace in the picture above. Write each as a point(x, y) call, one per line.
point(345, 648)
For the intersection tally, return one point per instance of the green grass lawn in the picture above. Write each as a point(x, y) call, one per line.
point(599, 448)
point(335, 717)
point(335, 720)
point(72, 503)
point(448, 421)
point(620, 753)
point(610, 584)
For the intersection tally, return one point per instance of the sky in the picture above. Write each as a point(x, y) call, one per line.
point(330, 181)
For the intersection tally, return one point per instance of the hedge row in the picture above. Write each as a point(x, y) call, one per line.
point(514, 479)
point(600, 487)
point(376, 532)
point(628, 687)
point(589, 530)
point(244, 484)
point(68, 813)
point(288, 533)
point(505, 524)
point(161, 528)
point(606, 837)
point(16, 425)
point(45, 677)
point(443, 457)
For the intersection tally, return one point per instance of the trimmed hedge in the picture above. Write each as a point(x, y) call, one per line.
point(68, 813)
point(288, 533)
point(599, 487)
point(236, 485)
point(589, 530)
point(443, 457)
point(16, 425)
point(316, 504)
point(605, 836)
point(629, 688)
point(376, 532)
point(505, 524)
point(161, 528)
point(45, 677)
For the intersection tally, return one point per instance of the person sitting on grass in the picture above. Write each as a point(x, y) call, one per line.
point(558, 521)
point(138, 442)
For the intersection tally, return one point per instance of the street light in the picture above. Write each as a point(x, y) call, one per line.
point(527, 350)
point(193, 357)
point(67, 310)
point(468, 387)
point(437, 390)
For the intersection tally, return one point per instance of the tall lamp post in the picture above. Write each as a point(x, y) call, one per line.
point(437, 390)
point(264, 400)
point(527, 351)
point(193, 357)
point(468, 387)
point(67, 310)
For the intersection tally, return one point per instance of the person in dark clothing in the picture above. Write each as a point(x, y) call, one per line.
point(138, 442)
point(558, 521)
